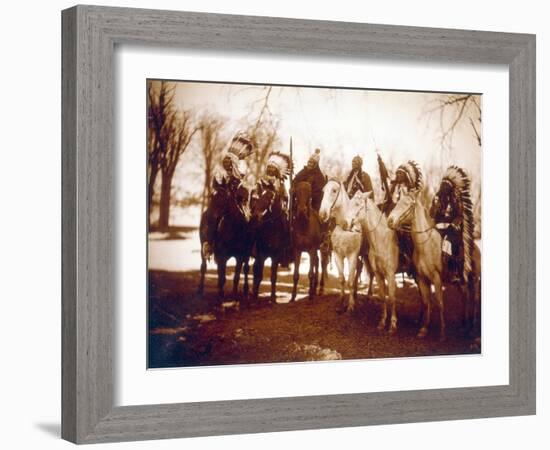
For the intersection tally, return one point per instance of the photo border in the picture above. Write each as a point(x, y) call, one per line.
point(89, 37)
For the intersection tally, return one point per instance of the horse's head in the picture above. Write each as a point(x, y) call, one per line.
point(403, 211)
point(302, 195)
point(262, 205)
point(218, 202)
point(331, 192)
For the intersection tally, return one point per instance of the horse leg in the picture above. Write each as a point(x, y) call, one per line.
point(237, 275)
point(382, 288)
point(203, 272)
point(246, 269)
point(311, 274)
point(222, 262)
point(274, 266)
point(258, 275)
point(370, 274)
point(352, 282)
point(315, 272)
point(439, 299)
point(421, 309)
point(324, 264)
point(391, 298)
point(296, 276)
point(341, 280)
point(357, 276)
point(425, 294)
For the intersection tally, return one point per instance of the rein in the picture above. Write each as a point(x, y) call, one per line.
point(335, 199)
point(427, 230)
point(377, 224)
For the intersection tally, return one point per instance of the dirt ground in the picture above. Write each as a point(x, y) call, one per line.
point(186, 329)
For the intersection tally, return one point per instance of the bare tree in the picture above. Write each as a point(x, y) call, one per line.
point(181, 131)
point(263, 132)
point(159, 118)
point(452, 110)
point(210, 127)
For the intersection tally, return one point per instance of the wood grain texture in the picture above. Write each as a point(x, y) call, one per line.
point(89, 36)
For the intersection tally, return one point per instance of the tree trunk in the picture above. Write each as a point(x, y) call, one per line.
point(165, 188)
point(151, 191)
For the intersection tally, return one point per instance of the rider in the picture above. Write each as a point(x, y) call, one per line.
point(313, 175)
point(408, 177)
point(448, 215)
point(228, 179)
point(357, 179)
point(278, 167)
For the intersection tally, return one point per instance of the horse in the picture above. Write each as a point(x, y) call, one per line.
point(383, 254)
point(269, 226)
point(346, 244)
point(427, 253)
point(306, 236)
point(232, 239)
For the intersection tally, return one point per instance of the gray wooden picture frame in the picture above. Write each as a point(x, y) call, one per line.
point(90, 34)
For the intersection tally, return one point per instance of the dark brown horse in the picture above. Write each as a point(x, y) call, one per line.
point(228, 216)
point(306, 236)
point(269, 226)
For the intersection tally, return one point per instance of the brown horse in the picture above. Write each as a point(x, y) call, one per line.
point(269, 226)
point(306, 236)
point(232, 239)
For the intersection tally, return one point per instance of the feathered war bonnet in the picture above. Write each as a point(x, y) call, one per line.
point(460, 183)
point(412, 172)
point(281, 162)
point(240, 148)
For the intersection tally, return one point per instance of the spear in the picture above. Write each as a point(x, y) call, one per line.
point(291, 195)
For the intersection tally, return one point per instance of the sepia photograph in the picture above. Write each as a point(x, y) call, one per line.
point(295, 224)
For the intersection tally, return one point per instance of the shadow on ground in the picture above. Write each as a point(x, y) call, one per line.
point(187, 329)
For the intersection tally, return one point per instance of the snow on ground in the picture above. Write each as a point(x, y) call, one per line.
point(182, 253)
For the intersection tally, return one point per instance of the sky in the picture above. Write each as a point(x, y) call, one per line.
point(341, 122)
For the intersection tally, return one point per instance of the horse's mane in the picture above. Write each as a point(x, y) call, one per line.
point(460, 181)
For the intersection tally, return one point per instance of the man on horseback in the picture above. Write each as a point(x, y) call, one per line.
point(408, 177)
point(357, 179)
point(277, 169)
point(448, 211)
point(228, 183)
point(312, 174)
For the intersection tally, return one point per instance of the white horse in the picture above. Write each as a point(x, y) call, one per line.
point(426, 255)
point(347, 241)
point(383, 252)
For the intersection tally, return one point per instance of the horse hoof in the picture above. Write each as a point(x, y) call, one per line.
point(392, 331)
point(422, 333)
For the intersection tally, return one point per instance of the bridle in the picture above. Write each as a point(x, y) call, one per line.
point(379, 219)
point(406, 214)
point(335, 198)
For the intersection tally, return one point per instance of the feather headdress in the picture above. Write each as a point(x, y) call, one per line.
point(282, 162)
point(460, 183)
point(241, 146)
point(412, 171)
